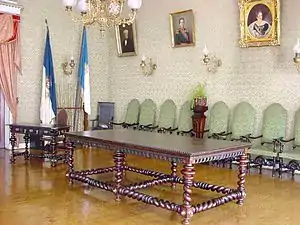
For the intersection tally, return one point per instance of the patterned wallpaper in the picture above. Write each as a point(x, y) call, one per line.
point(65, 40)
point(260, 76)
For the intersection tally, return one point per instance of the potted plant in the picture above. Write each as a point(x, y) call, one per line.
point(199, 98)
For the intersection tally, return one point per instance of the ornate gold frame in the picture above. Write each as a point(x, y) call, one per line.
point(172, 28)
point(247, 40)
point(119, 46)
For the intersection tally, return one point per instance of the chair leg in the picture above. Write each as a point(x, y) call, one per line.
point(293, 166)
point(249, 164)
point(274, 166)
point(260, 168)
point(224, 163)
point(230, 163)
point(280, 168)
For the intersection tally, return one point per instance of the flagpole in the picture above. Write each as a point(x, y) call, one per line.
point(77, 98)
point(48, 107)
point(76, 105)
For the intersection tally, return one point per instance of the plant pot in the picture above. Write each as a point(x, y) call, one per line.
point(200, 105)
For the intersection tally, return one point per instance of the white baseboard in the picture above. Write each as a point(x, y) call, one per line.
point(267, 167)
point(21, 146)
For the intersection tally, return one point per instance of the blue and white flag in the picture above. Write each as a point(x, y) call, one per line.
point(84, 75)
point(48, 108)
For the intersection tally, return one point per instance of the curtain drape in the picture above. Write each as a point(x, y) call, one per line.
point(10, 60)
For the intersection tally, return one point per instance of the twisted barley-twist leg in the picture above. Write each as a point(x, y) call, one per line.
point(188, 173)
point(119, 160)
point(173, 174)
point(243, 162)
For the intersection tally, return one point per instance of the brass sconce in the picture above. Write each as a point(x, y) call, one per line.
point(297, 55)
point(68, 67)
point(212, 62)
point(147, 68)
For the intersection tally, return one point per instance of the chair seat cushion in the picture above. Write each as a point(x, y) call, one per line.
point(263, 151)
point(292, 154)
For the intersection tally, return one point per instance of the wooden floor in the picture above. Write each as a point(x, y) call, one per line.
point(36, 194)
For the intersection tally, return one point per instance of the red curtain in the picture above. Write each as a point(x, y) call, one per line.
point(10, 59)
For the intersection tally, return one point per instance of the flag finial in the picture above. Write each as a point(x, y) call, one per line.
point(46, 22)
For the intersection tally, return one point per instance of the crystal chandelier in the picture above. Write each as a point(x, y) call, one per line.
point(106, 13)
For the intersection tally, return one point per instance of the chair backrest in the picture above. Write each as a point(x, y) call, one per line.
point(243, 120)
point(106, 111)
point(274, 122)
point(185, 122)
point(218, 118)
point(132, 113)
point(167, 114)
point(297, 127)
point(147, 112)
point(62, 118)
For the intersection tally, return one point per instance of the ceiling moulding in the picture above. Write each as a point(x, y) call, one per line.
point(11, 7)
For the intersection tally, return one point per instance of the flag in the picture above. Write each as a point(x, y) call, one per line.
point(84, 76)
point(48, 108)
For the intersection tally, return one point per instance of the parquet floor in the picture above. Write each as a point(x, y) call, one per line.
point(33, 193)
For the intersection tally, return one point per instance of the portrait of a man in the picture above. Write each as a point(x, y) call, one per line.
point(260, 21)
point(182, 28)
point(182, 34)
point(127, 43)
point(126, 40)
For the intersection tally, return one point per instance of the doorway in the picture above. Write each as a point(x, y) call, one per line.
point(2, 121)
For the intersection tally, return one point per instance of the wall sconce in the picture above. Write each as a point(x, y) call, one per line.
point(212, 62)
point(68, 67)
point(297, 55)
point(147, 68)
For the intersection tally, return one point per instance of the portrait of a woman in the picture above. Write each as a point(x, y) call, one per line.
point(260, 21)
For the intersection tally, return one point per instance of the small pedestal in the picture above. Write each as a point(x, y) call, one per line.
point(199, 120)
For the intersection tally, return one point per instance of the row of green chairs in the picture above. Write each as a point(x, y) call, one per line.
point(142, 117)
point(269, 148)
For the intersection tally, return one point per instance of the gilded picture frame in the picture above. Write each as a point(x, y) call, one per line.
point(126, 38)
point(182, 26)
point(259, 23)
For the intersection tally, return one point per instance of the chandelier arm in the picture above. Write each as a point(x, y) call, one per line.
point(106, 13)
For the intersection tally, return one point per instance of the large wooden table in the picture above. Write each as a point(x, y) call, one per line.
point(176, 149)
point(41, 130)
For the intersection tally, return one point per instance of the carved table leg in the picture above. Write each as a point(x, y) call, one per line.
point(243, 163)
point(69, 159)
point(53, 156)
point(119, 160)
point(13, 141)
point(26, 139)
point(173, 174)
point(188, 173)
point(65, 147)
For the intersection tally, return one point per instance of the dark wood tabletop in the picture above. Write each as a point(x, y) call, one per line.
point(176, 146)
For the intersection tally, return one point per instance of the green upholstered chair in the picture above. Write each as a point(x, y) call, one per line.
point(273, 128)
point(218, 120)
point(243, 121)
point(289, 156)
point(185, 123)
point(132, 114)
point(242, 124)
point(167, 117)
point(147, 115)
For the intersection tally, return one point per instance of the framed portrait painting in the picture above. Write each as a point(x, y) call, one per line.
point(259, 23)
point(126, 39)
point(182, 28)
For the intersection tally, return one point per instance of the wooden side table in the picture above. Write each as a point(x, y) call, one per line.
point(199, 119)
